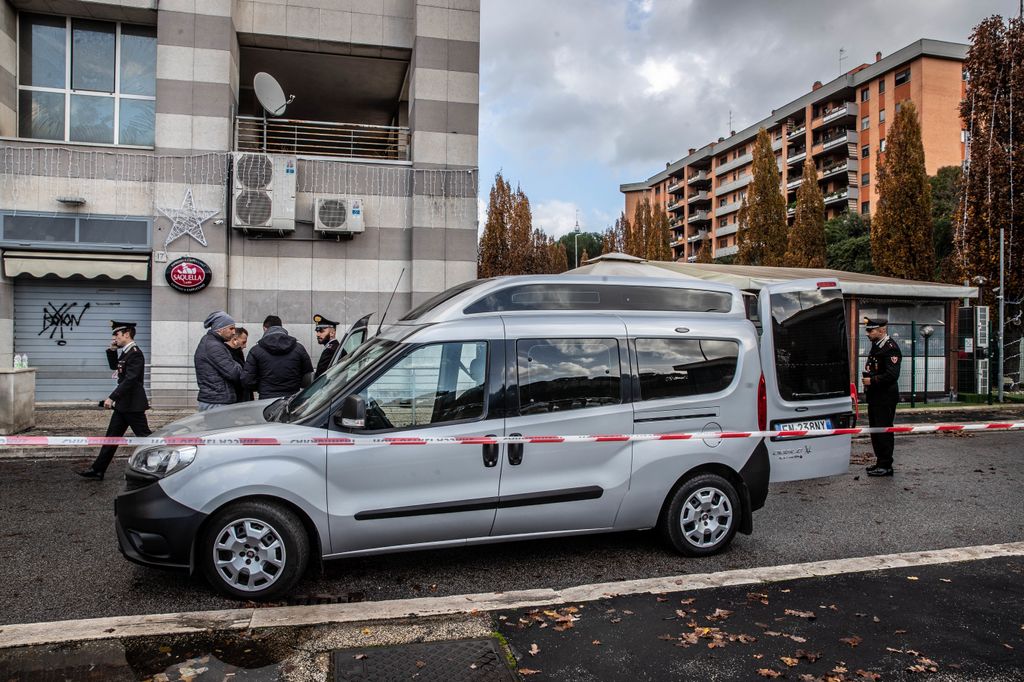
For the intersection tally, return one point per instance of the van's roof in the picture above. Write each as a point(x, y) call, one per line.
point(451, 304)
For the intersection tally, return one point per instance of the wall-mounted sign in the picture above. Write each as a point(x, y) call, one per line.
point(188, 275)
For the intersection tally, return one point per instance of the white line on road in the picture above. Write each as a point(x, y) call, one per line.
point(242, 619)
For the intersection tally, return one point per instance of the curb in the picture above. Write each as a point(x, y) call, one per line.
point(30, 634)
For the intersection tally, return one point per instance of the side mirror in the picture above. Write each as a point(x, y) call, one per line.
point(353, 413)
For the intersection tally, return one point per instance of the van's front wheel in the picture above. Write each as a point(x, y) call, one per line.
point(702, 515)
point(254, 550)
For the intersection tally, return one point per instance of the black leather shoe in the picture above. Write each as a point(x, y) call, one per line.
point(91, 474)
point(880, 471)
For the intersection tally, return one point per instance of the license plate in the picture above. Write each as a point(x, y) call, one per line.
point(810, 425)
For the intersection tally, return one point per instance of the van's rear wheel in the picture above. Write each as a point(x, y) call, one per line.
point(254, 550)
point(702, 515)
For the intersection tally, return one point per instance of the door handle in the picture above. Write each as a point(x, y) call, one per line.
point(491, 453)
point(515, 451)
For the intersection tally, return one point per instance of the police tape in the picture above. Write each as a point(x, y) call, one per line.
point(174, 441)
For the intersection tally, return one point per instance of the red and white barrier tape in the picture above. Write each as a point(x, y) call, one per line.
point(82, 441)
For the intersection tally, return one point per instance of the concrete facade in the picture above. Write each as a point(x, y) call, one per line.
point(420, 212)
point(840, 126)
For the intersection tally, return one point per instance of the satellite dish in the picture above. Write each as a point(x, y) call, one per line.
point(270, 94)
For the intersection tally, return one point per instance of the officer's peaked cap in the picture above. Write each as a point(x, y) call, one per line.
point(116, 326)
point(875, 322)
point(322, 321)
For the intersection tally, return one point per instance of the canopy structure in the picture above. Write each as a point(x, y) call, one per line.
point(753, 277)
point(68, 264)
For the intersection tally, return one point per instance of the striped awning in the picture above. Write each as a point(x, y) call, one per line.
point(68, 264)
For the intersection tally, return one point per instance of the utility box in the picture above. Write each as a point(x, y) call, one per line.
point(17, 400)
point(973, 350)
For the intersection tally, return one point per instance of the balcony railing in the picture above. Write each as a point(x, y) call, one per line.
point(794, 183)
point(848, 109)
point(699, 196)
point(835, 169)
point(675, 206)
point(796, 131)
point(701, 176)
point(728, 208)
point(676, 186)
point(698, 217)
point(726, 251)
point(320, 138)
point(743, 181)
point(726, 230)
point(735, 163)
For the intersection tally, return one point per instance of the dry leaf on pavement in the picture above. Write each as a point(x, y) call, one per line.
point(868, 675)
point(534, 649)
point(719, 614)
point(768, 672)
point(852, 641)
point(791, 662)
point(527, 671)
point(809, 615)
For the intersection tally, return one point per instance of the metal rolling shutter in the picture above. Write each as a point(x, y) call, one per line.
point(64, 327)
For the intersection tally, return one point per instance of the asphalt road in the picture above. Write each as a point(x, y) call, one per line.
point(60, 558)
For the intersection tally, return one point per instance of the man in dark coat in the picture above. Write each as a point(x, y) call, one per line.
point(881, 377)
point(277, 365)
point(217, 373)
point(236, 344)
point(326, 336)
point(128, 400)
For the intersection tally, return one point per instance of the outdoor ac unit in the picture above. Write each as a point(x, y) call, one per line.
point(981, 325)
point(338, 214)
point(982, 369)
point(263, 192)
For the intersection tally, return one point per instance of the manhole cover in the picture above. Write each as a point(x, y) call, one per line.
point(474, 659)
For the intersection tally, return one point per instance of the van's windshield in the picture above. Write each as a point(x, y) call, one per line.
point(318, 394)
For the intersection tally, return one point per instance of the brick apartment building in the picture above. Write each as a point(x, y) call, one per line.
point(840, 125)
point(131, 136)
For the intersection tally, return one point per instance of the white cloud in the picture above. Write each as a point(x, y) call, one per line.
point(556, 217)
point(661, 75)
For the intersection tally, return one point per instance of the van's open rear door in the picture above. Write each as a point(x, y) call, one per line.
point(806, 364)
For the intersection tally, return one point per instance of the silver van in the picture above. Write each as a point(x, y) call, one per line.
point(532, 356)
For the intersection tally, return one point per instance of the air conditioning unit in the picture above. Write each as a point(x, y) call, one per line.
point(981, 325)
point(263, 192)
point(338, 214)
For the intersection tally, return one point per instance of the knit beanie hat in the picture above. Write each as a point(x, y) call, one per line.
point(218, 320)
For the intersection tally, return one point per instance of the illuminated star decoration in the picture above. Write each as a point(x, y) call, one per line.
point(187, 220)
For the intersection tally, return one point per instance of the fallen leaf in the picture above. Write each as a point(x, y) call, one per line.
point(660, 599)
point(809, 615)
point(472, 666)
point(798, 640)
point(745, 639)
point(667, 638)
point(534, 649)
point(807, 677)
point(945, 580)
point(596, 642)
point(421, 664)
point(502, 617)
point(690, 600)
point(911, 577)
point(899, 632)
point(627, 612)
point(895, 651)
point(809, 656)
point(768, 672)
point(786, 591)
point(563, 627)
point(527, 671)
point(616, 620)
point(791, 662)
point(719, 614)
point(867, 675)
point(852, 641)
point(839, 670)
point(359, 657)
point(876, 619)
point(1008, 646)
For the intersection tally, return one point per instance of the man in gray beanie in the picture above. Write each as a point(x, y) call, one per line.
point(217, 373)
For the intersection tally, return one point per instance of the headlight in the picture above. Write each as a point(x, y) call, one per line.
point(160, 462)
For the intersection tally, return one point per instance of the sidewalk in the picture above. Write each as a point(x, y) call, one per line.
point(929, 616)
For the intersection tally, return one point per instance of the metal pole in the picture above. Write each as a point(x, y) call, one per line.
point(913, 364)
point(575, 248)
point(926, 370)
point(1002, 306)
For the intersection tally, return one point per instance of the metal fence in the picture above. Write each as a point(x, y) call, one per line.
point(320, 138)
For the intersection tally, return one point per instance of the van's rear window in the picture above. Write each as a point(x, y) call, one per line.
point(811, 356)
point(551, 296)
point(434, 301)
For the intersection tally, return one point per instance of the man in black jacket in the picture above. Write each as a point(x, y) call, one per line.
point(128, 400)
point(277, 365)
point(326, 336)
point(881, 377)
point(216, 371)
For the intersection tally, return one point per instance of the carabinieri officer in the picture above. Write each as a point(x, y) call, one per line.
point(128, 400)
point(881, 377)
point(326, 336)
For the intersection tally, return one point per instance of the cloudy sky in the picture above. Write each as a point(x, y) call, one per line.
point(579, 96)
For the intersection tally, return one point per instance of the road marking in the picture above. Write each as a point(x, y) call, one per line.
point(27, 634)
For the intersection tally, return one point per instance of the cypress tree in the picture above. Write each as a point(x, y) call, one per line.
point(762, 236)
point(807, 236)
point(901, 229)
point(495, 257)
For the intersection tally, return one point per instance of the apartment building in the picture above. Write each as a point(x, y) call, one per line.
point(839, 125)
point(142, 177)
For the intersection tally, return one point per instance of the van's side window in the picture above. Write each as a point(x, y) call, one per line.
point(556, 375)
point(675, 368)
point(438, 383)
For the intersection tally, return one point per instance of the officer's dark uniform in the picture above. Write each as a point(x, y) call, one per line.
point(331, 348)
point(129, 398)
point(883, 368)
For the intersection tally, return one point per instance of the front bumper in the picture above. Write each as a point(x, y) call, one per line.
point(154, 530)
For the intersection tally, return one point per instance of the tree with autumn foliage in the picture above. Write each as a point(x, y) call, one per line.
point(510, 245)
point(901, 228)
point(704, 252)
point(992, 195)
point(614, 238)
point(646, 236)
point(807, 236)
point(762, 236)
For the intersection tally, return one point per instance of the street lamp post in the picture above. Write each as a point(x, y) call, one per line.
point(575, 246)
point(926, 332)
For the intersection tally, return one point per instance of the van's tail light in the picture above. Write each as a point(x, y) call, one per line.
point(856, 403)
point(762, 405)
